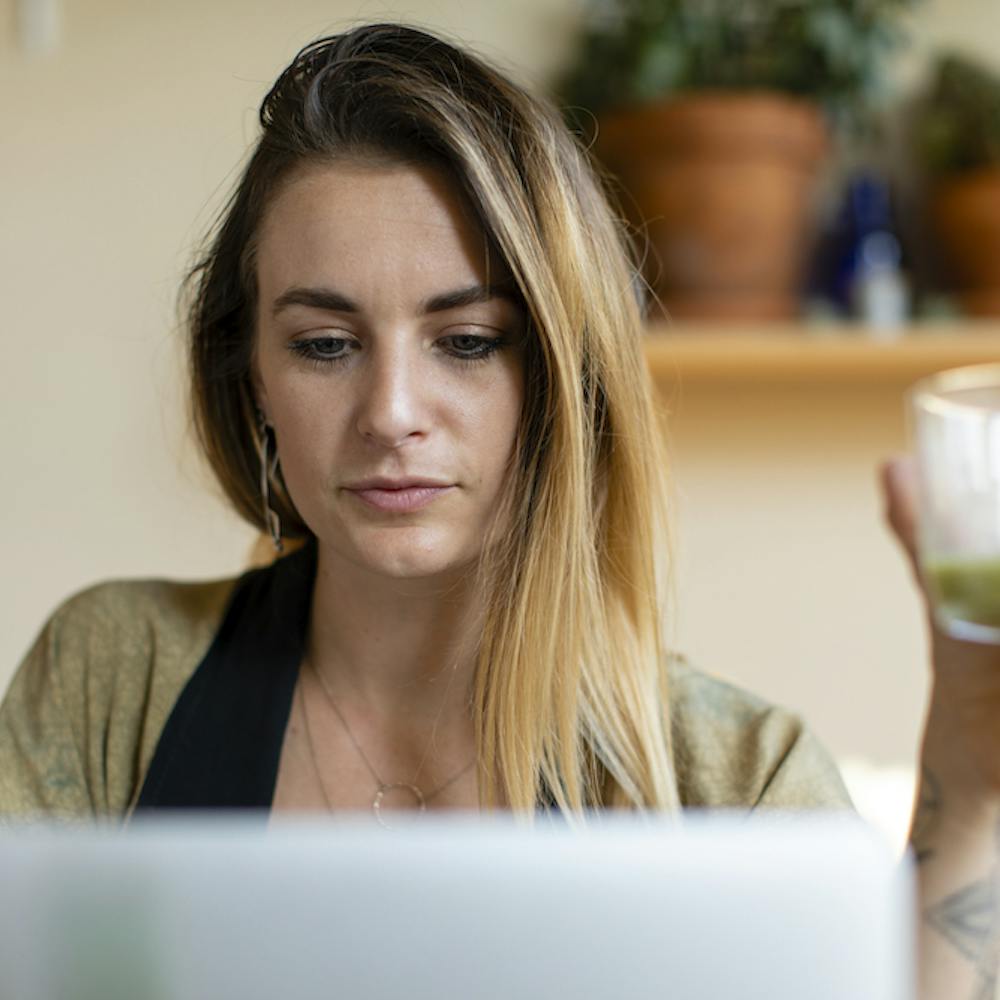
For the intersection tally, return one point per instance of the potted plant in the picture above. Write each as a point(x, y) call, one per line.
point(715, 117)
point(957, 133)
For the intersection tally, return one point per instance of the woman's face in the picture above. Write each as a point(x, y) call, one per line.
point(389, 358)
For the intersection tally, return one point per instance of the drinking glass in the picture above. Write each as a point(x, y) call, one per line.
point(955, 429)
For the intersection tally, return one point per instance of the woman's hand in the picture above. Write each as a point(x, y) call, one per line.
point(955, 833)
point(965, 693)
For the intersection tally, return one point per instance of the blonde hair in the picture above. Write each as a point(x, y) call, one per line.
point(570, 702)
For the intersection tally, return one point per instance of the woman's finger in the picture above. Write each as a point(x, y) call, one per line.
point(898, 476)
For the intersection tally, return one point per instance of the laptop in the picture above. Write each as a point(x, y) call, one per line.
point(709, 908)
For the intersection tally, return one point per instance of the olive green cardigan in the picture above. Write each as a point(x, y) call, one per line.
point(82, 720)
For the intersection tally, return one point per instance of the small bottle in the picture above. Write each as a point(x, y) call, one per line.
point(861, 264)
point(879, 292)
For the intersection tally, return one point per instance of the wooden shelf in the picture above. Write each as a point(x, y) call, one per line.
point(689, 353)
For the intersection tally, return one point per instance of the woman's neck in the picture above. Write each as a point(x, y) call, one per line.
point(404, 650)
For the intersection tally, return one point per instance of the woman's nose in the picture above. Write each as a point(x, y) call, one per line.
point(390, 408)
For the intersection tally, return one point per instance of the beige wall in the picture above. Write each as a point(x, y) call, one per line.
point(789, 583)
point(115, 150)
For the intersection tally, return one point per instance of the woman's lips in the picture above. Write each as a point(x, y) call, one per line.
point(400, 501)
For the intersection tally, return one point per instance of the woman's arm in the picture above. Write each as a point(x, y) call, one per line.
point(956, 823)
point(956, 844)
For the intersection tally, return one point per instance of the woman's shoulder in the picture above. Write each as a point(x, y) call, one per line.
point(734, 749)
point(84, 711)
point(141, 611)
point(126, 642)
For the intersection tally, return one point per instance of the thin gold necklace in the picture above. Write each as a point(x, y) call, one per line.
point(382, 788)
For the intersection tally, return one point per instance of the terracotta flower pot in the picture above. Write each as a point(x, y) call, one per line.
point(966, 211)
point(722, 184)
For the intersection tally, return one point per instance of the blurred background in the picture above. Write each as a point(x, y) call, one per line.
point(813, 184)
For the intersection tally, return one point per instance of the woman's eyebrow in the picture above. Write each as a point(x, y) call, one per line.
point(330, 300)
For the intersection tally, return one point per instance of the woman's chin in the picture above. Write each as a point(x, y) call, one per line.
point(406, 558)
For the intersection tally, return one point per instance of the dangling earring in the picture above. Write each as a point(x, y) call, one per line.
point(267, 470)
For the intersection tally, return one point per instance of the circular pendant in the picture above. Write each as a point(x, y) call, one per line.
point(400, 786)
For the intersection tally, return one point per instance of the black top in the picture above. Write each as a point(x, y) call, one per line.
point(221, 745)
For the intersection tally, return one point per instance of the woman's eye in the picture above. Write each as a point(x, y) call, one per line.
point(321, 349)
point(470, 346)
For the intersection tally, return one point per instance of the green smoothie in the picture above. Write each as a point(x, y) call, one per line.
point(966, 590)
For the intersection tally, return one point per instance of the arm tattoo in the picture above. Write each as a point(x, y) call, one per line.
point(965, 917)
point(970, 920)
point(987, 966)
point(925, 815)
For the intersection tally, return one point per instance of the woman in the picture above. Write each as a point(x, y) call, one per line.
point(416, 349)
